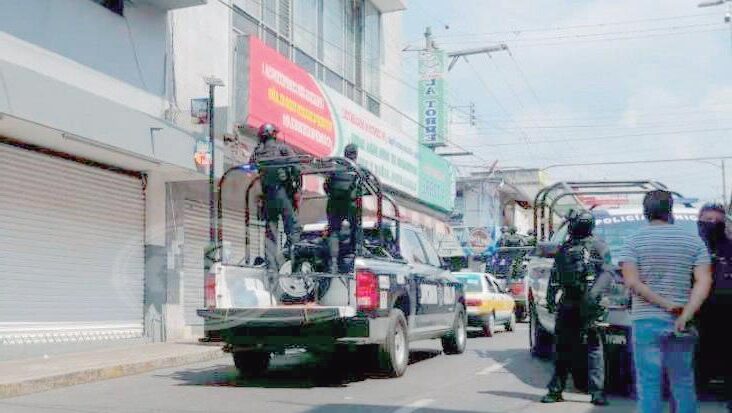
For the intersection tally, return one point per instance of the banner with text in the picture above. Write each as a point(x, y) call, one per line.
point(320, 121)
point(285, 94)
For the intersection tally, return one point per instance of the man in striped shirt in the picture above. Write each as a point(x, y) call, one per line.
point(657, 264)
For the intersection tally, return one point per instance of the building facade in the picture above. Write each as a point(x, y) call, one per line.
point(87, 146)
point(105, 210)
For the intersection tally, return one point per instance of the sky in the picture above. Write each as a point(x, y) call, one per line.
point(587, 81)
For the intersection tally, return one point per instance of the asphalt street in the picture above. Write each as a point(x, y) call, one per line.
point(494, 375)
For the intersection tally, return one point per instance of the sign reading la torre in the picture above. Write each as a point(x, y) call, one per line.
point(432, 102)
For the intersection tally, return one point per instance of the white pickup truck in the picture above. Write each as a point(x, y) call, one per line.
point(394, 293)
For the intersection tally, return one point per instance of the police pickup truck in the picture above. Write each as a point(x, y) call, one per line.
point(614, 226)
point(391, 294)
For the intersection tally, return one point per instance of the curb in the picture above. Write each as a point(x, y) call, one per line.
point(122, 369)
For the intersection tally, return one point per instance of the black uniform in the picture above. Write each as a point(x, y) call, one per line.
point(715, 357)
point(280, 181)
point(581, 271)
point(344, 189)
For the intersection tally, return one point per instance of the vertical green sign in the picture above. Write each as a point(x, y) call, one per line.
point(436, 180)
point(432, 99)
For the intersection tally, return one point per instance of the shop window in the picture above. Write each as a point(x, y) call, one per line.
point(334, 35)
point(245, 23)
point(334, 80)
point(250, 7)
point(306, 23)
point(306, 62)
point(116, 6)
point(372, 49)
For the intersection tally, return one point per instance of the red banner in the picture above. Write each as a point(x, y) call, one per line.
point(282, 93)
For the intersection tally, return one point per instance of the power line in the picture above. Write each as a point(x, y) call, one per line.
point(523, 134)
point(582, 26)
point(599, 138)
point(590, 35)
point(611, 39)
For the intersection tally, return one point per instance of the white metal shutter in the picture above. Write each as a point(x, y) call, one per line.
point(71, 250)
point(196, 237)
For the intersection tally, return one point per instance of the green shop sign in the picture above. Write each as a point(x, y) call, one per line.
point(436, 180)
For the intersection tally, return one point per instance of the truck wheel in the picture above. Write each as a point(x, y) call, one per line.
point(251, 363)
point(455, 341)
point(489, 326)
point(394, 353)
point(538, 337)
point(511, 324)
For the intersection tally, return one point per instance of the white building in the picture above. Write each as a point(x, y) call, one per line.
point(105, 212)
point(86, 149)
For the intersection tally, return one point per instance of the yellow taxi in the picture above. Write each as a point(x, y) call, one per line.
point(488, 304)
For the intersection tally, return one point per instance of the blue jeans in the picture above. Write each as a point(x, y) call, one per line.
point(654, 351)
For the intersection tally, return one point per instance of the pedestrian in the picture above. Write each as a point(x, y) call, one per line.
point(714, 356)
point(280, 180)
point(581, 271)
point(344, 189)
point(657, 263)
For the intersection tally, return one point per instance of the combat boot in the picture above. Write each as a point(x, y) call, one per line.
point(599, 399)
point(552, 397)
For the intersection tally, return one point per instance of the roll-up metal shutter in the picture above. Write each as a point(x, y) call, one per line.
point(71, 250)
point(196, 237)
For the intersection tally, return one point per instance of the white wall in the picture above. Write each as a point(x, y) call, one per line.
point(392, 90)
point(202, 48)
point(86, 45)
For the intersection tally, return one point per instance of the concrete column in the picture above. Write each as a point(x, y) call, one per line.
point(155, 257)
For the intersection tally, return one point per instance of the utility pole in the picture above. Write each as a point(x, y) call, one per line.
point(727, 16)
point(724, 184)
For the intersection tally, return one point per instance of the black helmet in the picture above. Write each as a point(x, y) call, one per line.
point(581, 225)
point(658, 205)
point(351, 151)
point(267, 131)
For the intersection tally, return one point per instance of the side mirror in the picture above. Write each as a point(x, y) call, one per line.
point(546, 249)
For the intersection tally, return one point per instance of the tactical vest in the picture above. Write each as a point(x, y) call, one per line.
point(344, 185)
point(273, 171)
point(575, 268)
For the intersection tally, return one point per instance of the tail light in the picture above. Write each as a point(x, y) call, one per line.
point(367, 290)
point(473, 302)
point(517, 288)
point(209, 290)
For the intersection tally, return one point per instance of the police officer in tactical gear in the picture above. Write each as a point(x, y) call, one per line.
point(280, 180)
point(581, 271)
point(344, 190)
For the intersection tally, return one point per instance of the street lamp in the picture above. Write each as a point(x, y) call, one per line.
point(212, 83)
point(727, 17)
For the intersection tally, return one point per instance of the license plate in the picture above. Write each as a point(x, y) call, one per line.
point(617, 339)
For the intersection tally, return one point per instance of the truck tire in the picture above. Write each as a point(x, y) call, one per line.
point(456, 340)
point(251, 364)
point(540, 340)
point(489, 325)
point(394, 352)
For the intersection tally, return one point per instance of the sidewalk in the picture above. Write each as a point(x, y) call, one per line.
point(20, 377)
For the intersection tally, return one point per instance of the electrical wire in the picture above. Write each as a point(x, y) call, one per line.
point(609, 137)
point(581, 26)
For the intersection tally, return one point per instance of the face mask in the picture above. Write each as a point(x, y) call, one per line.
point(711, 232)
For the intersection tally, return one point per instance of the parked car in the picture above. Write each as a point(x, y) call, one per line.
point(488, 304)
point(392, 293)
